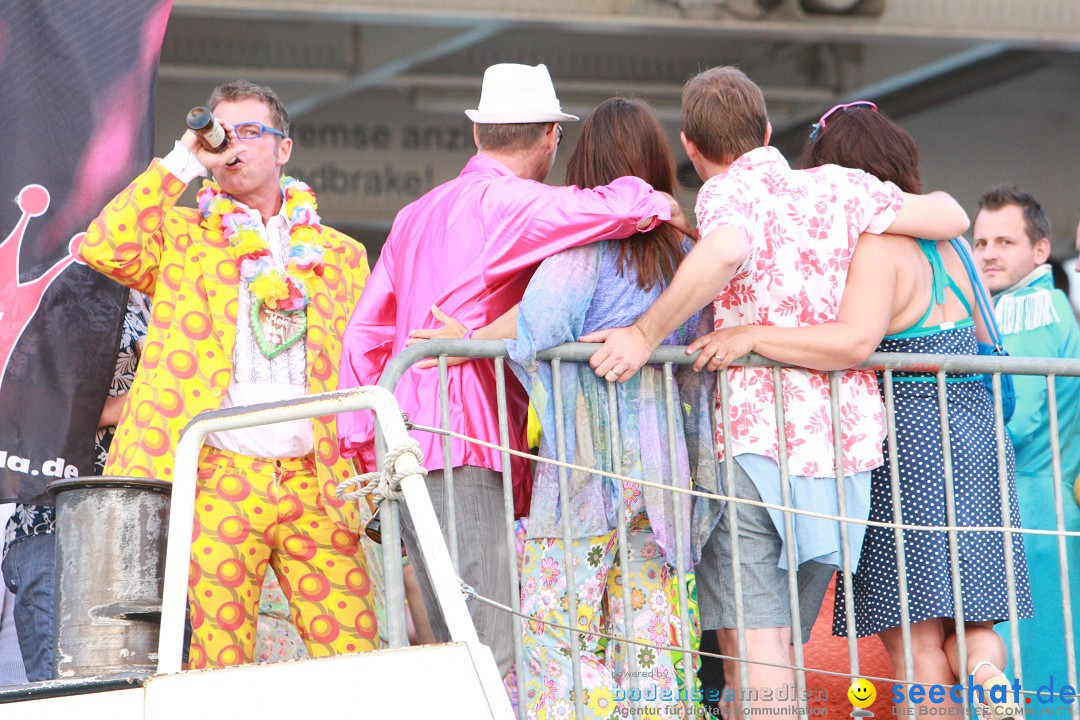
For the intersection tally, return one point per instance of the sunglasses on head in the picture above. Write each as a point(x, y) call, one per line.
point(817, 127)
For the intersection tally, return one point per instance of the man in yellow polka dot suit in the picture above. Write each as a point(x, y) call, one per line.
point(250, 297)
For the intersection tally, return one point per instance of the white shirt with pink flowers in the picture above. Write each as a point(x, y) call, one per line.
point(802, 226)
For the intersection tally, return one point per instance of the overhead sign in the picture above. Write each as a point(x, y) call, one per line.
point(369, 157)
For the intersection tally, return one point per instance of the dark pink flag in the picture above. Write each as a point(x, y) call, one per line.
point(76, 100)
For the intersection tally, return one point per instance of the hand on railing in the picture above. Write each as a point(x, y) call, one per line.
point(722, 347)
point(623, 353)
point(450, 329)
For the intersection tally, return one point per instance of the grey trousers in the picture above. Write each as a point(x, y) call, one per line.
point(483, 555)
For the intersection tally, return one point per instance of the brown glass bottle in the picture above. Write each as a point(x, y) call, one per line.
point(373, 529)
point(203, 123)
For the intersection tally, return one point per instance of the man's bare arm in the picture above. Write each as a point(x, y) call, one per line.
point(701, 276)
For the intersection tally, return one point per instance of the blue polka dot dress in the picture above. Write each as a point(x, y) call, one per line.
point(922, 500)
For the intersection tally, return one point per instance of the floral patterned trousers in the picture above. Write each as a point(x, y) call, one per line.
point(598, 586)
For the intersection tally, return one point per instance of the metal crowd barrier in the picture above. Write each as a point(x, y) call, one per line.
point(669, 357)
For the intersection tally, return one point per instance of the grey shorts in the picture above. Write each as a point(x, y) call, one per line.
point(765, 594)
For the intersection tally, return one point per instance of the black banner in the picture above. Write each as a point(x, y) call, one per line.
point(76, 100)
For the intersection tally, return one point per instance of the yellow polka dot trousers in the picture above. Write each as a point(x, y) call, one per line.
point(252, 512)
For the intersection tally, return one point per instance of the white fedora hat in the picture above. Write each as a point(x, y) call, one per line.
point(515, 93)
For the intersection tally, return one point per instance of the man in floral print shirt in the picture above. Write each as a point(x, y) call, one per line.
point(775, 248)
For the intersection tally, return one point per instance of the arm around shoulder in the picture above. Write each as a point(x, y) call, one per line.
point(934, 216)
point(564, 217)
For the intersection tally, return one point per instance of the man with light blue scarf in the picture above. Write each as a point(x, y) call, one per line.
point(1011, 248)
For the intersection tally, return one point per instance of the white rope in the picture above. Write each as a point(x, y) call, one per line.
point(669, 648)
point(469, 591)
point(743, 501)
point(386, 483)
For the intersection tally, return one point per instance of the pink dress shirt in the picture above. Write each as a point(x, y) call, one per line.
point(471, 246)
point(802, 226)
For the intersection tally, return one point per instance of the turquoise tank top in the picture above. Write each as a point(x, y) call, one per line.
point(942, 282)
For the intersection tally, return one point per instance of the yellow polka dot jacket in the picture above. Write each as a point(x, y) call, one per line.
point(142, 240)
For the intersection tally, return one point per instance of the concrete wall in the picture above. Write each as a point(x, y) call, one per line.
point(1026, 131)
point(370, 154)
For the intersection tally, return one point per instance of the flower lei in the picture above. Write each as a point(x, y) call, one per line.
point(283, 291)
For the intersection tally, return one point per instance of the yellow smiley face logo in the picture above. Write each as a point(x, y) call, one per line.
point(862, 693)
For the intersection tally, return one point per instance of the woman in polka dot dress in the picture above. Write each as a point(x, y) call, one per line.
point(914, 296)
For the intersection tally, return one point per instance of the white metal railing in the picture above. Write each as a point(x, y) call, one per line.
point(390, 423)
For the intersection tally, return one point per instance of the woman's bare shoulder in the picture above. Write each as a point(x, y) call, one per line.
point(885, 245)
point(886, 239)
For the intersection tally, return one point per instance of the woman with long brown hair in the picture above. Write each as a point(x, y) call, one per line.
point(607, 284)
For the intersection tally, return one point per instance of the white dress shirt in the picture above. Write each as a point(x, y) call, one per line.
point(257, 379)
